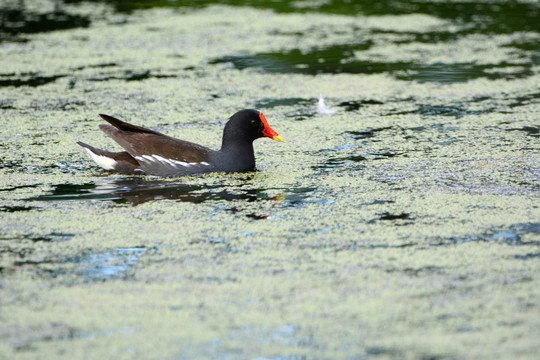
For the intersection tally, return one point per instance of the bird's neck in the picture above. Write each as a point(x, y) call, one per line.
point(238, 156)
point(234, 140)
point(242, 149)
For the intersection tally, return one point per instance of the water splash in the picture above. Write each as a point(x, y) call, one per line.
point(322, 108)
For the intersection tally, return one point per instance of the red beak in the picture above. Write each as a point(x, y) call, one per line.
point(268, 131)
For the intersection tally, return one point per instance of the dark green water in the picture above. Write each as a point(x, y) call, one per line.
point(401, 221)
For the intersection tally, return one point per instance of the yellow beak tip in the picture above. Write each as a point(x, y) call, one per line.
point(277, 138)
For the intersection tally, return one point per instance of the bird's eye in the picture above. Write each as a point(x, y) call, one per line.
point(254, 122)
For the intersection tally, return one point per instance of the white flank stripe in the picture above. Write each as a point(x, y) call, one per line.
point(105, 162)
point(161, 159)
point(167, 162)
point(176, 162)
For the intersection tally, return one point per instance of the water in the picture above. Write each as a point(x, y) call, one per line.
point(403, 225)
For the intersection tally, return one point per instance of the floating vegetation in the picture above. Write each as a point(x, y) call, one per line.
point(414, 202)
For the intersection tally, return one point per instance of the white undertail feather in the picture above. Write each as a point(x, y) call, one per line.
point(105, 162)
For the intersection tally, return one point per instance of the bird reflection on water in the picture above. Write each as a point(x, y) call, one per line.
point(138, 190)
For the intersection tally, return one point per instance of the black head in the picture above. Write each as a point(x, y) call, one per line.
point(246, 126)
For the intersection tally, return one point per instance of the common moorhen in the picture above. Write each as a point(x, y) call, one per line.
point(149, 152)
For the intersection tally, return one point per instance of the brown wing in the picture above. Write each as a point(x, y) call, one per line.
point(139, 141)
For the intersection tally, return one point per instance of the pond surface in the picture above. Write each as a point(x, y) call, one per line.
point(399, 219)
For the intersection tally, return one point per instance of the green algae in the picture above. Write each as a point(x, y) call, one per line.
point(405, 227)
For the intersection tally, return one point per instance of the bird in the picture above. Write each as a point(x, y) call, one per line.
point(148, 152)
